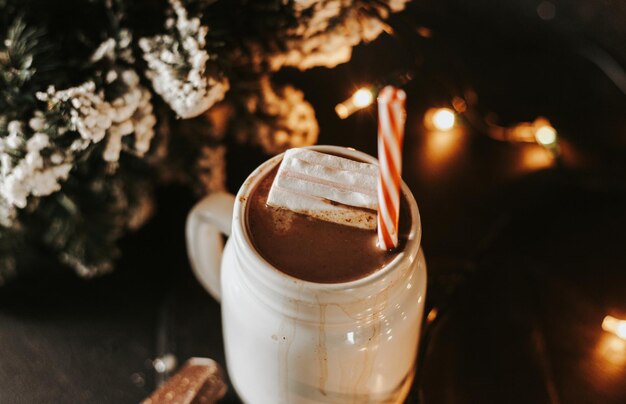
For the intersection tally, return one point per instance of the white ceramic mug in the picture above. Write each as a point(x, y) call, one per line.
point(293, 341)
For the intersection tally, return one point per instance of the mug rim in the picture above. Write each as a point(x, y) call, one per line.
point(411, 249)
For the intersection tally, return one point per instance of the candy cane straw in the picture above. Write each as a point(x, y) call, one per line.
point(391, 117)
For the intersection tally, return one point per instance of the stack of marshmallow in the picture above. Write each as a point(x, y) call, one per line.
point(327, 187)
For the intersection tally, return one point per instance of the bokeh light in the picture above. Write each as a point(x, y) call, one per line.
point(362, 98)
point(615, 326)
point(441, 119)
point(545, 135)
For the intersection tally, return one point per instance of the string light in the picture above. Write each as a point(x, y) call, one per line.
point(362, 98)
point(539, 131)
point(441, 119)
point(424, 32)
point(615, 326)
point(445, 120)
point(535, 158)
point(432, 315)
point(545, 135)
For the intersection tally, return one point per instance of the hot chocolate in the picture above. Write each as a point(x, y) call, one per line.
point(314, 250)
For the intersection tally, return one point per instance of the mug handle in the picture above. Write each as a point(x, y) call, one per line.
point(207, 221)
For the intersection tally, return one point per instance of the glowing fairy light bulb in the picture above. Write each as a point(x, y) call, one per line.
point(442, 119)
point(362, 98)
point(545, 135)
point(615, 326)
point(432, 315)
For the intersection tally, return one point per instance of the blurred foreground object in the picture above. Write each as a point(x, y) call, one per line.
point(200, 380)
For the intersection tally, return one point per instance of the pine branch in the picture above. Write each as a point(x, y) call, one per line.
point(25, 62)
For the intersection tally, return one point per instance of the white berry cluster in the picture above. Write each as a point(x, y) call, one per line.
point(30, 173)
point(113, 49)
point(131, 109)
point(32, 164)
point(177, 65)
point(329, 29)
point(94, 117)
point(131, 114)
point(90, 114)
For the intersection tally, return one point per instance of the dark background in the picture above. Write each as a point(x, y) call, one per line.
point(525, 252)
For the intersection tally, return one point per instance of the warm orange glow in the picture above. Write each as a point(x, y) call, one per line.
point(522, 132)
point(610, 354)
point(608, 357)
point(441, 143)
point(459, 104)
point(534, 158)
point(615, 326)
point(441, 119)
point(432, 315)
point(441, 147)
point(424, 32)
point(342, 111)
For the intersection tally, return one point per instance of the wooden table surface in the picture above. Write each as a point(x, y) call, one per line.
point(525, 257)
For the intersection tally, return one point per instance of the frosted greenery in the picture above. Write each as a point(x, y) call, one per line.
point(92, 94)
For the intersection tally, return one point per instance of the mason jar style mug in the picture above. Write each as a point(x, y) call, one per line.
point(292, 341)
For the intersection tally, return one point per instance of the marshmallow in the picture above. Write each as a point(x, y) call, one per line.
point(327, 187)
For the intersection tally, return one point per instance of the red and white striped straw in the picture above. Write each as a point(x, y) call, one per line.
point(391, 118)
